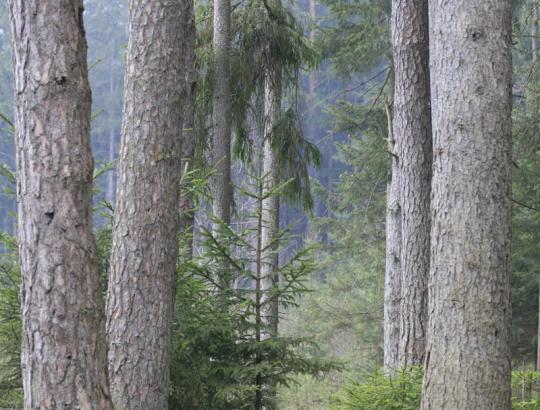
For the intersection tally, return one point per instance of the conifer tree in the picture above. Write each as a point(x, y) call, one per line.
point(467, 362)
point(146, 217)
point(63, 355)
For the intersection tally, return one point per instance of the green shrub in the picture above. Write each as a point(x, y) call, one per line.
point(377, 392)
point(403, 391)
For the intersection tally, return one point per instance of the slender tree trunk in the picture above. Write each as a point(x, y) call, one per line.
point(412, 128)
point(63, 349)
point(270, 205)
point(221, 143)
point(312, 77)
point(468, 355)
point(258, 298)
point(392, 279)
point(109, 193)
point(146, 219)
point(534, 62)
point(270, 217)
point(187, 217)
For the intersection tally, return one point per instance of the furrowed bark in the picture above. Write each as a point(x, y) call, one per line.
point(468, 355)
point(412, 128)
point(146, 219)
point(63, 355)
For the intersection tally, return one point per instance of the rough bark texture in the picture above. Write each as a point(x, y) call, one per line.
point(412, 130)
point(146, 218)
point(63, 350)
point(221, 143)
point(468, 354)
point(392, 278)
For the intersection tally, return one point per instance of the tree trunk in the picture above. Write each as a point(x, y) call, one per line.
point(412, 130)
point(187, 217)
point(146, 219)
point(63, 349)
point(221, 143)
point(270, 205)
point(270, 218)
point(534, 62)
point(468, 355)
point(109, 193)
point(392, 279)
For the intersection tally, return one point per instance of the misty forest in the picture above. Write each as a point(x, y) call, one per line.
point(270, 204)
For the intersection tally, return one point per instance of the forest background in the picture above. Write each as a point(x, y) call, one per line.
point(340, 95)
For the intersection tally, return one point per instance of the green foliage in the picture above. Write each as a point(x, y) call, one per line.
point(355, 35)
point(526, 390)
point(10, 323)
point(265, 37)
point(223, 354)
point(401, 391)
point(525, 189)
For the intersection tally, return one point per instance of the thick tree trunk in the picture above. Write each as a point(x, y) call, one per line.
point(63, 350)
point(468, 354)
point(392, 279)
point(221, 142)
point(146, 219)
point(412, 130)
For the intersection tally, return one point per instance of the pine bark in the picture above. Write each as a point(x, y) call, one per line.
point(63, 349)
point(392, 278)
point(146, 218)
point(221, 115)
point(468, 355)
point(412, 130)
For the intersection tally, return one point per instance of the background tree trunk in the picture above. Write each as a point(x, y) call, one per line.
point(412, 130)
point(109, 193)
point(270, 217)
point(146, 219)
point(534, 62)
point(63, 350)
point(392, 278)
point(221, 116)
point(468, 355)
point(187, 218)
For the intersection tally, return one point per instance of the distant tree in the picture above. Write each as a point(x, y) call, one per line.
point(63, 344)
point(146, 217)
point(221, 115)
point(468, 355)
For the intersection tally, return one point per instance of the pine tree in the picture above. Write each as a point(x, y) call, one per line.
point(63, 345)
point(146, 217)
point(412, 136)
point(468, 354)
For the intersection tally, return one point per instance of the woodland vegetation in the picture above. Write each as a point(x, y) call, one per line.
point(270, 204)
